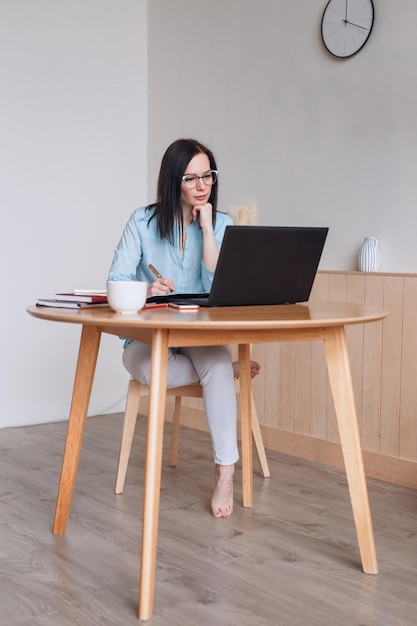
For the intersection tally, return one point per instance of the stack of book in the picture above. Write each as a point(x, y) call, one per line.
point(77, 299)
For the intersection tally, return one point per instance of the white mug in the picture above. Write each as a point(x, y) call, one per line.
point(126, 296)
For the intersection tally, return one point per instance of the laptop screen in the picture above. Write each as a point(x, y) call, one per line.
point(266, 265)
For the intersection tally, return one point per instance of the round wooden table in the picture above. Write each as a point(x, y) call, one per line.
point(164, 328)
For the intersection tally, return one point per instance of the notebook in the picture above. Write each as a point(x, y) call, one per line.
point(262, 265)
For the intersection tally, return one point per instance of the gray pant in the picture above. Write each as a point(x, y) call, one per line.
point(212, 366)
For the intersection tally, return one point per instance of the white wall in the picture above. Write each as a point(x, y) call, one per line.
point(72, 168)
point(311, 139)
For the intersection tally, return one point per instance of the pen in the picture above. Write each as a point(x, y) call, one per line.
point(155, 271)
point(155, 305)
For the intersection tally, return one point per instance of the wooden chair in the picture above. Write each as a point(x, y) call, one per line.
point(194, 390)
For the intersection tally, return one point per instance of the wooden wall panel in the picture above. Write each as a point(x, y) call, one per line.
point(391, 366)
point(408, 414)
point(371, 374)
point(271, 374)
point(302, 388)
point(384, 367)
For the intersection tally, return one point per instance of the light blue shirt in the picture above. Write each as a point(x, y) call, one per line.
point(141, 245)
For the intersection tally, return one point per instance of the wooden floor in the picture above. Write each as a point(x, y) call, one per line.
point(292, 560)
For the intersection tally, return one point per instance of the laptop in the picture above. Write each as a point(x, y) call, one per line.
point(261, 265)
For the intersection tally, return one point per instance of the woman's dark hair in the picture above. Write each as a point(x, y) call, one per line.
point(168, 206)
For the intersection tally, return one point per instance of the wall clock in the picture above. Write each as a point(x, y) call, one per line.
point(346, 26)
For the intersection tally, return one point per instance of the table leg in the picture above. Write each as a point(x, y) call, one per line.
point(84, 376)
point(152, 485)
point(344, 401)
point(246, 423)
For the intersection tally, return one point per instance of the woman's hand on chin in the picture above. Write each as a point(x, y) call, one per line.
point(204, 214)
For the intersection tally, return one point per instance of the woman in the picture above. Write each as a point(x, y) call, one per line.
point(181, 234)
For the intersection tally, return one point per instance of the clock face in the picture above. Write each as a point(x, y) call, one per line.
point(346, 26)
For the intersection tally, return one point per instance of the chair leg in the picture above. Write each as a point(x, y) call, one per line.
point(259, 444)
point(175, 431)
point(131, 414)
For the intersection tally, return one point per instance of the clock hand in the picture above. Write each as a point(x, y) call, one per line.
point(346, 7)
point(352, 24)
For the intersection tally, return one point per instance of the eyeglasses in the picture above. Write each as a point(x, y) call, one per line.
point(191, 180)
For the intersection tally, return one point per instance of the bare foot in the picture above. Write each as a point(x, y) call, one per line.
point(254, 369)
point(222, 500)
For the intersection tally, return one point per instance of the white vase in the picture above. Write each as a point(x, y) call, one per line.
point(369, 255)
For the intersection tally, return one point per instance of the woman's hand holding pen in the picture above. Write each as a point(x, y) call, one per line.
point(160, 286)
